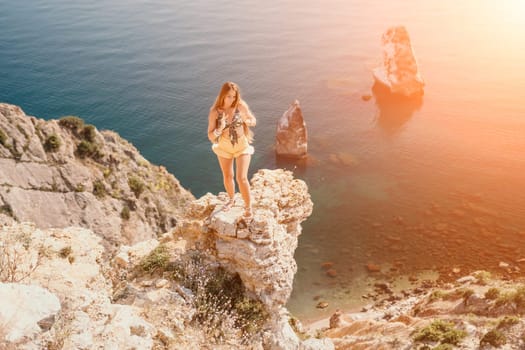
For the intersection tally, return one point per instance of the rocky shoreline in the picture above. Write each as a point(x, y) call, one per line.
point(477, 311)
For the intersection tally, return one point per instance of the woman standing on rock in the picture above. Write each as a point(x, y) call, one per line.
point(229, 125)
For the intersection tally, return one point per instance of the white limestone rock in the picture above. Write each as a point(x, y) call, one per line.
point(399, 71)
point(261, 250)
point(282, 335)
point(291, 136)
point(22, 308)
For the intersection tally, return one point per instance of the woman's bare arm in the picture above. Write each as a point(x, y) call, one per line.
point(212, 124)
point(247, 115)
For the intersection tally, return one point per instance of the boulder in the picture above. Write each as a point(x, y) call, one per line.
point(25, 310)
point(399, 72)
point(291, 137)
point(281, 336)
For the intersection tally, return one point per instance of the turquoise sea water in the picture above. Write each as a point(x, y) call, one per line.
point(410, 188)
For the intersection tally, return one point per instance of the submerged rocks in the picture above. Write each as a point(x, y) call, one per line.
point(322, 305)
point(335, 320)
point(291, 137)
point(399, 72)
point(373, 267)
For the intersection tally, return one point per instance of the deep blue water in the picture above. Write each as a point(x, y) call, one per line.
point(424, 186)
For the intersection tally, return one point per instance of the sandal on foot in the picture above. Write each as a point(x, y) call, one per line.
point(247, 213)
point(228, 205)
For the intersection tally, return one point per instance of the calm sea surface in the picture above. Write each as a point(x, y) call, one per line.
point(410, 188)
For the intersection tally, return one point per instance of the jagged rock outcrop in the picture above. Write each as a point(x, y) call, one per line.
point(64, 173)
point(262, 250)
point(291, 136)
point(399, 71)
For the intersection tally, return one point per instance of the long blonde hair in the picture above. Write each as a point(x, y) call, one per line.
point(219, 102)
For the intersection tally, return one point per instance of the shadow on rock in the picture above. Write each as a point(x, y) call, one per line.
point(394, 110)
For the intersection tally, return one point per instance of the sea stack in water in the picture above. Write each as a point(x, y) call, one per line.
point(291, 138)
point(399, 72)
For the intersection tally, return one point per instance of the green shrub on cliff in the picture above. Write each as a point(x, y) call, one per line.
point(10, 147)
point(125, 213)
point(252, 314)
point(136, 185)
point(515, 297)
point(52, 143)
point(157, 259)
point(3, 137)
point(492, 293)
point(7, 210)
point(87, 149)
point(72, 123)
point(440, 331)
point(88, 133)
point(76, 125)
point(222, 304)
point(99, 189)
point(507, 322)
point(494, 337)
point(482, 277)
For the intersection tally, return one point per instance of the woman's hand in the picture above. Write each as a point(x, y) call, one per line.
point(216, 125)
point(221, 121)
point(250, 121)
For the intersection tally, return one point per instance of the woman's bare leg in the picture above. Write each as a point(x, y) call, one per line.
point(243, 162)
point(227, 175)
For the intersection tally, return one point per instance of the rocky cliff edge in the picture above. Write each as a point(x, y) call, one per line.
point(61, 173)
